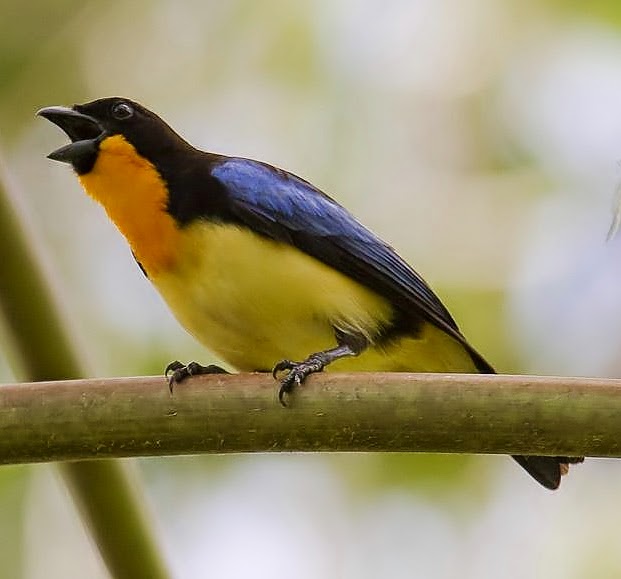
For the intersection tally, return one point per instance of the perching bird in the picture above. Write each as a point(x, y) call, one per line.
point(259, 265)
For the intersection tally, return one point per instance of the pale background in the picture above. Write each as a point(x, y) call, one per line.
point(481, 138)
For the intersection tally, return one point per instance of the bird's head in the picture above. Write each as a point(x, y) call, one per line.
point(91, 124)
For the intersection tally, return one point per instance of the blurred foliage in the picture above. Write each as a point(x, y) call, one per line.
point(435, 477)
point(13, 496)
point(606, 11)
point(38, 50)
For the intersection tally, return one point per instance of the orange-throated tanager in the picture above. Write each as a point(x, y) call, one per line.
point(258, 264)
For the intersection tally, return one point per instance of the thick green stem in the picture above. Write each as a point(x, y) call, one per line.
point(112, 489)
point(106, 498)
point(331, 412)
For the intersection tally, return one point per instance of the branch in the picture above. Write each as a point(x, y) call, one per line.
point(120, 417)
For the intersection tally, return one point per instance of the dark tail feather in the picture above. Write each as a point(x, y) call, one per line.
point(547, 470)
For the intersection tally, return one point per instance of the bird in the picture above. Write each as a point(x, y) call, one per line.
point(259, 265)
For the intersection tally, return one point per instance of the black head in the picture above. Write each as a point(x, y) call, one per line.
point(89, 124)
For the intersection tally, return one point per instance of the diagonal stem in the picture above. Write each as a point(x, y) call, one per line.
point(107, 500)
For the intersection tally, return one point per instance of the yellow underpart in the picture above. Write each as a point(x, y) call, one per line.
point(134, 197)
point(254, 302)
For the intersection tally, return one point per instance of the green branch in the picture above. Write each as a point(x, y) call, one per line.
point(122, 417)
point(111, 507)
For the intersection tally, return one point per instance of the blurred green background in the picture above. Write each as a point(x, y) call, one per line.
point(481, 138)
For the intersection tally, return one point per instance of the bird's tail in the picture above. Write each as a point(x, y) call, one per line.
point(546, 470)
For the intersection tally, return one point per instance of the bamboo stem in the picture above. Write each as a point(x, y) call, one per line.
point(121, 417)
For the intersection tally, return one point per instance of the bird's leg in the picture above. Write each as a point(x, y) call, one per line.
point(349, 345)
point(176, 372)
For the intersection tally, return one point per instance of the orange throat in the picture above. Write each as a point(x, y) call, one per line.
point(134, 196)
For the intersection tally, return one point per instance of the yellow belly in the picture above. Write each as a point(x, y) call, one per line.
point(254, 302)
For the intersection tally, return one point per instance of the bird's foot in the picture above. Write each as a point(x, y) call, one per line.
point(297, 372)
point(176, 372)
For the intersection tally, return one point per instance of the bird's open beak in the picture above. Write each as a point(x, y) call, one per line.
point(85, 133)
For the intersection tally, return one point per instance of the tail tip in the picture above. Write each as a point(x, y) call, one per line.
point(548, 470)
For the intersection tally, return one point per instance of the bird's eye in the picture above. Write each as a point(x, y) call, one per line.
point(122, 111)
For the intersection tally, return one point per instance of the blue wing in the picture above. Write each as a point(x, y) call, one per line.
point(287, 208)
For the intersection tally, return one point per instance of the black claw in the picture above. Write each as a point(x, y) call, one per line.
point(298, 372)
point(281, 366)
point(179, 372)
point(176, 365)
point(177, 377)
point(287, 385)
